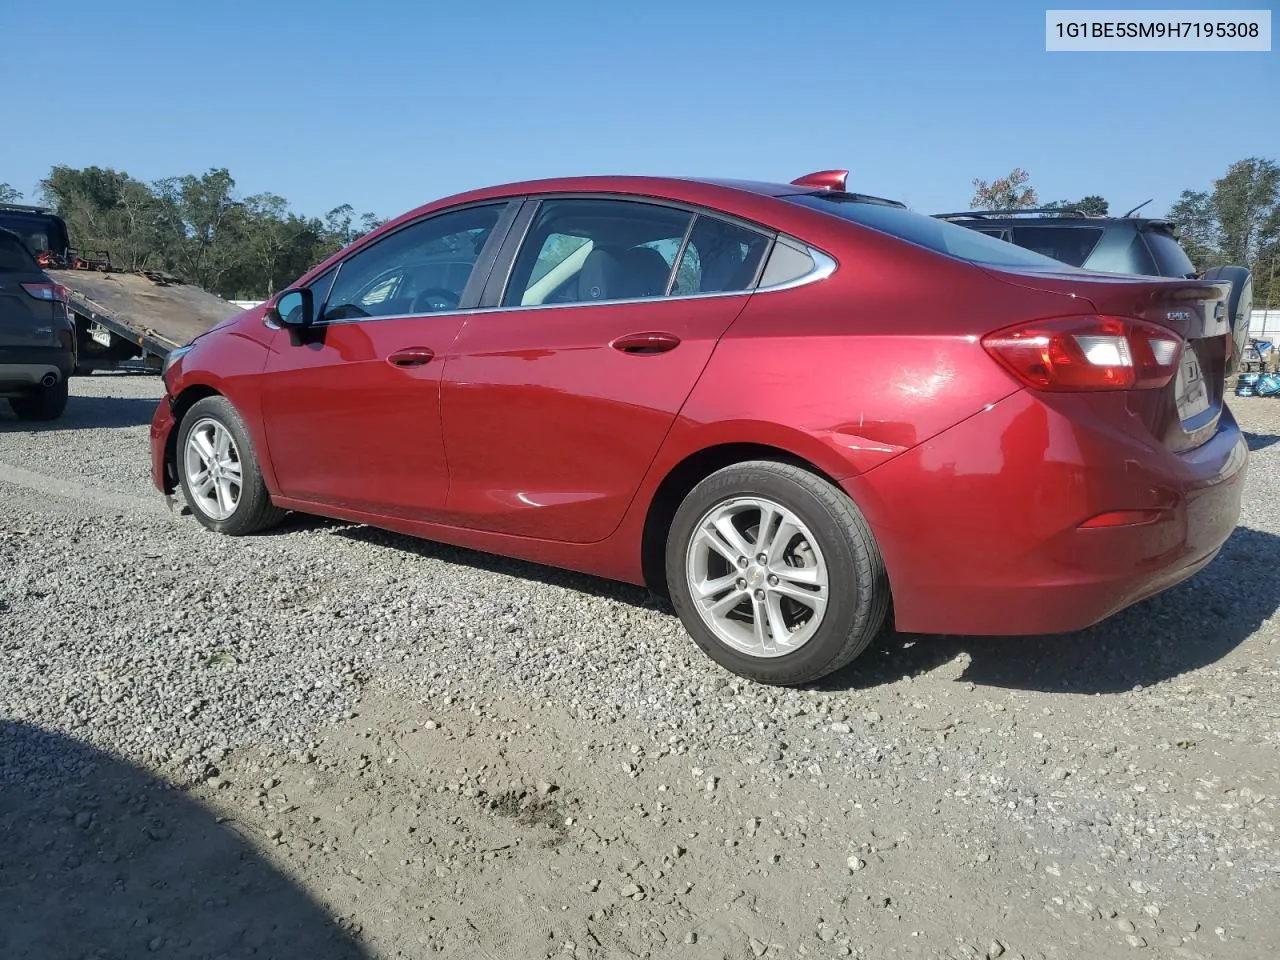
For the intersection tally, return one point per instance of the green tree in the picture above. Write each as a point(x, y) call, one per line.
point(9, 194)
point(1237, 222)
point(1092, 205)
point(1004, 193)
point(198, 228)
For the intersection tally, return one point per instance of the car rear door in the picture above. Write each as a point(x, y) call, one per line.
point(351, 406)
point(556, 401)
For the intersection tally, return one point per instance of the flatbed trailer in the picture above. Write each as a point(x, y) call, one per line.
point(130, 321)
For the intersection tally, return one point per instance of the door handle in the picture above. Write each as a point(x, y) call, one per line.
point(411, 357)
point(653, 342)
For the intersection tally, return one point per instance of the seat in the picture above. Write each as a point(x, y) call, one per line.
point(644, 273)
point(601, 275)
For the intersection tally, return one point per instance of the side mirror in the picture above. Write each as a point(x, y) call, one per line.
point(294, 309)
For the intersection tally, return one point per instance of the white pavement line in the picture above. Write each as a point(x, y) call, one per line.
point(74, 490)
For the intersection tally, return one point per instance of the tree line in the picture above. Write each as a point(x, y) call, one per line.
point(195, 227)
point(1235, 221)
point(199, 229)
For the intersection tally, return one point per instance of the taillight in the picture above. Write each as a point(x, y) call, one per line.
point(46, 291)
point(1088, 353)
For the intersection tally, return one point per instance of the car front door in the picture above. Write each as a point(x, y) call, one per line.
point(556, 401)
point(351, 405)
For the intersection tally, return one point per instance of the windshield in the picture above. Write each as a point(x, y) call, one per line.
point(39, 232)
point(937, 235)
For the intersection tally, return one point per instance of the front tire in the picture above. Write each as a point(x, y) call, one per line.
point(46, 403)
point(775, 573)
point(219, 473)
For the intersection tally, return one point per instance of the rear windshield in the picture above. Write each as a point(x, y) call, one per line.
point(14, 257)
point(38, 232)
point(937, 235)
point(1069, 244)
point(1171, 259)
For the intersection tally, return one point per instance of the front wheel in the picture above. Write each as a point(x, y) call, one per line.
point(220, 476)
point(775, 574)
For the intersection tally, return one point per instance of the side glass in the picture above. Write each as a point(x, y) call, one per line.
point(721, 257)
point(421, 268)
point(583, 251)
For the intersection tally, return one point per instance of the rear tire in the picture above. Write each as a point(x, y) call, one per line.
point(813, 604)
point(46, 403)
point(219, 473)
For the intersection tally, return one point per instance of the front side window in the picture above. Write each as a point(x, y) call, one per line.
point(587, 251)
point(421, 268)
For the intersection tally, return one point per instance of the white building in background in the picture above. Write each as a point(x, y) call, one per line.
point(1265, 325)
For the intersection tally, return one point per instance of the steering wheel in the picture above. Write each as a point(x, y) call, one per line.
point(444, 299)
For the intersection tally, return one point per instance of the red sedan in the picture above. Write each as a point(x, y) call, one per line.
point(800, 412)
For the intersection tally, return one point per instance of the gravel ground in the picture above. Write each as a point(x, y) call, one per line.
point(405, 748)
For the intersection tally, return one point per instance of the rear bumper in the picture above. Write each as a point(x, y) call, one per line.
point(980, 527)
point(162, 424)
point(26, 367)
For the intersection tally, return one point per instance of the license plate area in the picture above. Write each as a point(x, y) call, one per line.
point(1190, 388)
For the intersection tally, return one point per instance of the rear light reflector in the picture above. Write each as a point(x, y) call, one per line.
point(1122, 518)
point(1088, 353)
point(46, 291)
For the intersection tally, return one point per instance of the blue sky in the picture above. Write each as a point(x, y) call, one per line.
point(386, 104)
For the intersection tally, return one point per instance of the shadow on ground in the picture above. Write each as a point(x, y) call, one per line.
point(100, 859)
point(85, 413)
point(1190, 626)
point(488, 562)
point(1260, 441)
point(1187, 627)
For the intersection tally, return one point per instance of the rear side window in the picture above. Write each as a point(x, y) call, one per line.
point(14, 257)
point(587, 250)
point(1069, 244)
point(1171, 259)
point(720, 257)
point(929, 232)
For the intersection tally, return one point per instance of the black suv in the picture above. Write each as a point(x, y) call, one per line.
point(1128, 244)
point(37, 339)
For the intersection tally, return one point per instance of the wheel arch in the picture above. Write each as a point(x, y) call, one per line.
point(682, 478)
point(179, 406)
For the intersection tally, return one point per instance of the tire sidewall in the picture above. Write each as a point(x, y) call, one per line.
point(221, 410)
point(847, 605)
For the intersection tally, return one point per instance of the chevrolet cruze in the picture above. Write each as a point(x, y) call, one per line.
point(801, 413)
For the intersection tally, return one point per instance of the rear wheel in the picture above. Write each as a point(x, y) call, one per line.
point(46, 403)
point(775, 574)
point(219, 473)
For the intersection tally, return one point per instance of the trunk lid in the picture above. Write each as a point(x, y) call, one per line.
point(1185, 413)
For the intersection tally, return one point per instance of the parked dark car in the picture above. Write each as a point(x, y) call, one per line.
point(37, 339)
point(1140, 246)
point(800, 411)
